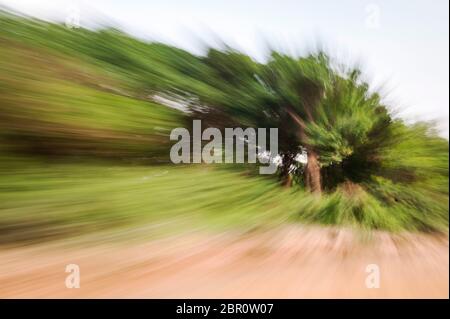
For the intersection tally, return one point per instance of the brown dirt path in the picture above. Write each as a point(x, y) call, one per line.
point(291, 262)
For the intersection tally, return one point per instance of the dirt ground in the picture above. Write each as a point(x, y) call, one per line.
point(290, 262)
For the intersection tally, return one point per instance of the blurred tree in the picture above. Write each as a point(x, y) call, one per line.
point(327, 113)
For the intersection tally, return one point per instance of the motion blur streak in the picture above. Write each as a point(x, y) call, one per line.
point(281, 263)
point(86, 177)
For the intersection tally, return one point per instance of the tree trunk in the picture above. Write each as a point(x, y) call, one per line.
point(312, 173)
point(288, 181)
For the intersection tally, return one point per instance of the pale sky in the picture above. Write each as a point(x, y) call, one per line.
point(401, 45)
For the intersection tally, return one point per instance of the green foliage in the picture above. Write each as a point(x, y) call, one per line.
point(69, 94)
